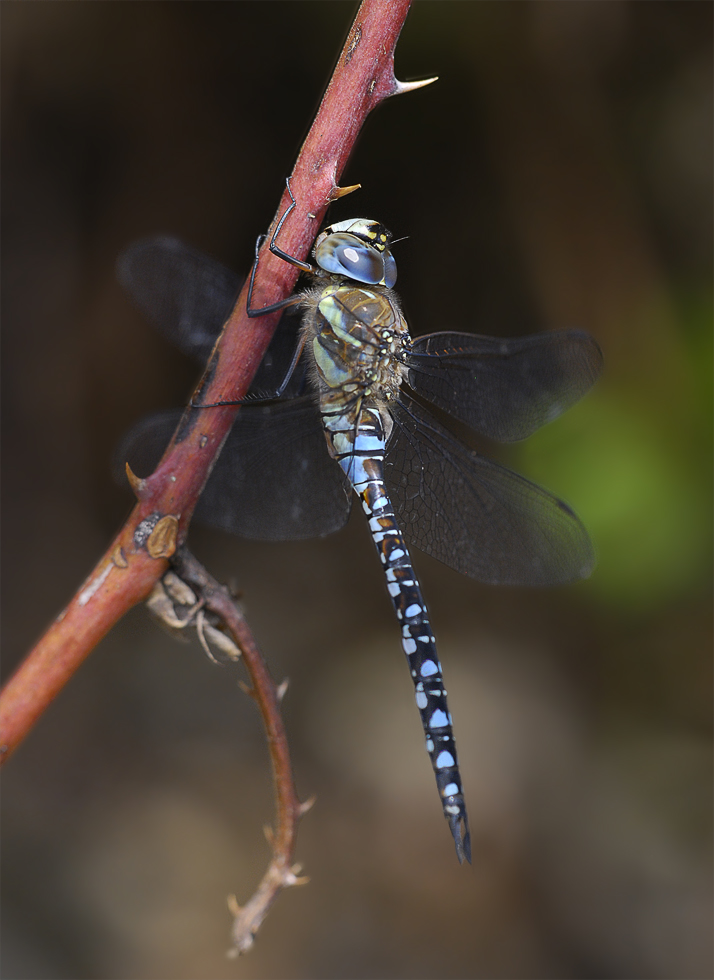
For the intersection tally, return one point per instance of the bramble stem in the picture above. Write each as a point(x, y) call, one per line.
point(157, 527)
point(125, 575)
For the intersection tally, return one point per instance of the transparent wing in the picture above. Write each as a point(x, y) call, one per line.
point(504, 388)
point(274, 479)
point(188, 296)
point(479, 518)
point(185, 294)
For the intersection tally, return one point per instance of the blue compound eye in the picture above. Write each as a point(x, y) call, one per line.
point(390, 270)
point(347, 255)
point(360, 262)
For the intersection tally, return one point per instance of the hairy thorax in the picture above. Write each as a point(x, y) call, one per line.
point(357, 338)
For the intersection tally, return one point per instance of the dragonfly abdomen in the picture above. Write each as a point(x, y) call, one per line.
point(419, 646)
point(360, 452)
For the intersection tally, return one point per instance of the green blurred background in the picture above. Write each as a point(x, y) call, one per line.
point(559, 174)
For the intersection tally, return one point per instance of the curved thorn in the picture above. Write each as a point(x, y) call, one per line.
point(135, 482)
point(338, 192)
point(233, 907)
point(291, 878)
point(403, 87)
point(119, 558)
point(246, 689)
point(281, 689)
point(307, 805)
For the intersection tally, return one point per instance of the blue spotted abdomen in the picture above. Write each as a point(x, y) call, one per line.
point(360, 452)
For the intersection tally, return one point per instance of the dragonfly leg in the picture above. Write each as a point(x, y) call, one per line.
point(298, 263)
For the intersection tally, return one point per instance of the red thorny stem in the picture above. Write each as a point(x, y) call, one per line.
point(139, 555)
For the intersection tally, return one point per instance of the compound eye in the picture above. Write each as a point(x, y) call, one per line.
point(346, 255)
point(390, 270)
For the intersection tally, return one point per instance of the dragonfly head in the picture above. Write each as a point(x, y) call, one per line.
point(359, 249)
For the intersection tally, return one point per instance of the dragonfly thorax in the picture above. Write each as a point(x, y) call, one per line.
point(359, 250)
point(358, 337)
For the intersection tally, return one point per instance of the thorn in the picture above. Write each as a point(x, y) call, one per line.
point(233, 907)
point(291, 878)
point(135, 482)
point(404, 87)
point(119, 558)
point(246, 689)
point(268, 832)
point(338, 192)
point(307, 805)
point(281, 689)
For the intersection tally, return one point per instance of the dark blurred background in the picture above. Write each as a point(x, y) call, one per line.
point(558, 174)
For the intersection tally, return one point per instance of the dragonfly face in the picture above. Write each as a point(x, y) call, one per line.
point(357, 248)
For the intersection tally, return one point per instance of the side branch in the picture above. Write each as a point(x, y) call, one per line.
point(281, 872)
point(159, 522)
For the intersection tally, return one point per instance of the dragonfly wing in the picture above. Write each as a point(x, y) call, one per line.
point(274, 479)
point(505, 388)
point(479, 518)
point(184, 293)
point(188, 296)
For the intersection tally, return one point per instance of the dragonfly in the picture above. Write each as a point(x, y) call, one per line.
point(353, 419)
